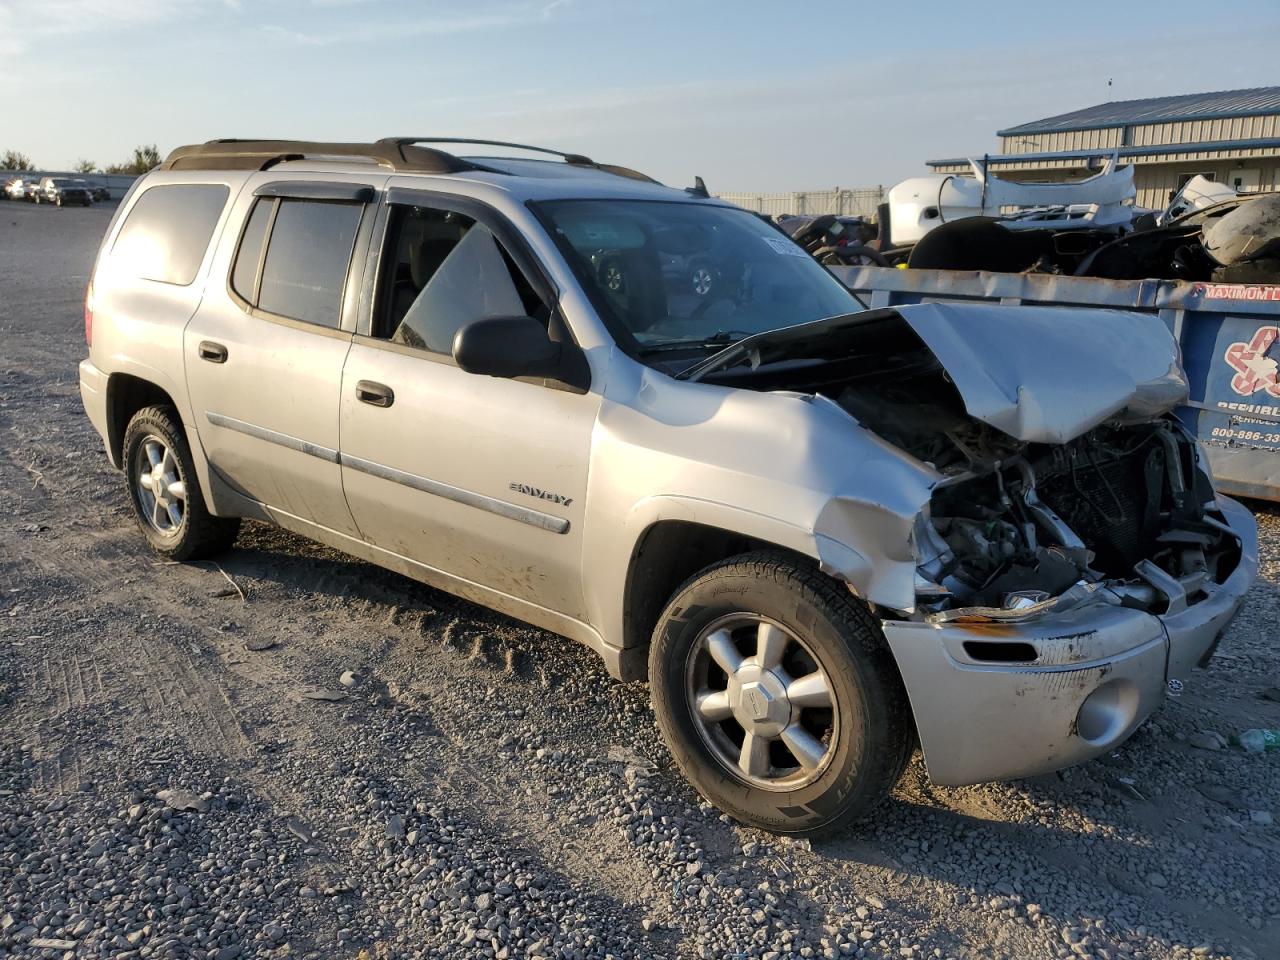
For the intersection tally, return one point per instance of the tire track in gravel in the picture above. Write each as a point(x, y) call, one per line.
point(178, 697)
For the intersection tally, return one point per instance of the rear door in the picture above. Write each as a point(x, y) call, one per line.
point(264, 353)
point(479, 477)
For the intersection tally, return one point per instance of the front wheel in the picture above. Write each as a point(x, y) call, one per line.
point(777, 695)
point(165, 492)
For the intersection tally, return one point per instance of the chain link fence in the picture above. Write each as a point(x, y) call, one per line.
point(852, 202)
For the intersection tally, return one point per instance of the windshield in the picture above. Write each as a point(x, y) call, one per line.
point(669, 274)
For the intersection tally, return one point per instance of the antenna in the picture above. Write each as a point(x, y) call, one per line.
point(699, 189)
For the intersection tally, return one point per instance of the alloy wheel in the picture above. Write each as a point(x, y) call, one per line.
point(162, 491)
point(702, 281)
point(762, 702)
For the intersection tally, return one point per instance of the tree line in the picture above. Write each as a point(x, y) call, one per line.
point(144, 158)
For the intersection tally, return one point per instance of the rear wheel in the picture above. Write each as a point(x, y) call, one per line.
point(165, 493)
point(780, 701)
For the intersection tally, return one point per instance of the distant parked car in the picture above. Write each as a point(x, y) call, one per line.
point(15, 189)
point(30, 190)
point(64, 191)
point(100, 193)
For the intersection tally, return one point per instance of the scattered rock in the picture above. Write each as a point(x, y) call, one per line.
point(1157, 880)
point(256, 644)
point(331, 696)
point(1220, 794)
point(1206, 740)
point(177, 798)
point(349, 678)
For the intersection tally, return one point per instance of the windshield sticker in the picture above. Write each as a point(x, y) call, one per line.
point(783, 247)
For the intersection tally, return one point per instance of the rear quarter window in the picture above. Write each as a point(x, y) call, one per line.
point(167, 231)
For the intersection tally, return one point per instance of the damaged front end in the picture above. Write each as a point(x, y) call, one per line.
point(1127, 509)
point(1072, 562)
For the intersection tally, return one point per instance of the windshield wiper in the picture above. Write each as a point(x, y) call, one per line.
point(721, 338)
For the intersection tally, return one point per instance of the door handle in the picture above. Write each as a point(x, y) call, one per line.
point(213, 352)
point(375, 394)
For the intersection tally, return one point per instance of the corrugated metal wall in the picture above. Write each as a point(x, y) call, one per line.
point(1156, 181)
point(853, 202)
point(1067, 140)
point(1201, 131)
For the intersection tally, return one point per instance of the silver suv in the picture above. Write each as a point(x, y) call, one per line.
point(822, 533)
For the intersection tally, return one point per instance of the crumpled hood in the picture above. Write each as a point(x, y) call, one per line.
point(1049, 374)
point(1039, 374)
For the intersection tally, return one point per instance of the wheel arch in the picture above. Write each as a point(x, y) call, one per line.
point(126, 395)
point(666, 554)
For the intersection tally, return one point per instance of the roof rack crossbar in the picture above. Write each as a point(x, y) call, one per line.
point(575, 158)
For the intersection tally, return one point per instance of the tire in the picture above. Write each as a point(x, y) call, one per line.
point(868, 736)
point(178, 526)
point(702, 279)
point(58, 202)
point(613, 276)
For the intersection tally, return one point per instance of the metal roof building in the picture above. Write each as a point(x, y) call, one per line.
point(1232, 136)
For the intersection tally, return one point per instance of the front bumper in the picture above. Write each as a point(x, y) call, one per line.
point(1100, 670)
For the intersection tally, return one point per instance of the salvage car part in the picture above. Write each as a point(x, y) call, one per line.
point(1249, 232)
point(921, 204)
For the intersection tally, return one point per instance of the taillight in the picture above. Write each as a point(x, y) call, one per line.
point(88, 315)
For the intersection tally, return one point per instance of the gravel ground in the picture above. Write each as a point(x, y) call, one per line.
point(342, 763)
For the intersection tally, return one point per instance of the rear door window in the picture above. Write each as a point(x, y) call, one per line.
point(167, 231)
point(308, 253)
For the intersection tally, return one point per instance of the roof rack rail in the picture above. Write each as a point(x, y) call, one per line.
point(575, 159)
point(234, 154)
point(401, 154)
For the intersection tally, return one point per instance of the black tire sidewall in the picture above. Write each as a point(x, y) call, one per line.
point(853, 781)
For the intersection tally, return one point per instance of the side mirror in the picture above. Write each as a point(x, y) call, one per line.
point(506, 347)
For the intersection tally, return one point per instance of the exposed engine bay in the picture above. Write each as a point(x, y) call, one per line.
point(1015, 524)
point(1125, 505)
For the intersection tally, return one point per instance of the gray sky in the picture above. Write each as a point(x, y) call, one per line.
point(752, 95)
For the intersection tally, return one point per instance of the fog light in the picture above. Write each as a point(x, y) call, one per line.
point(1107, 712)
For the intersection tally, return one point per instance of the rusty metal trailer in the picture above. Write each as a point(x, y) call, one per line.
point(1227, 331)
